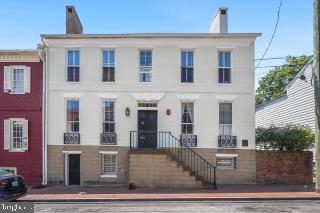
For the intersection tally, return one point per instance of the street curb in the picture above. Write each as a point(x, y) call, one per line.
point(171, 199)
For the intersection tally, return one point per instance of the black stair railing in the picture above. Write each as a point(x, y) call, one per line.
point(179, 151)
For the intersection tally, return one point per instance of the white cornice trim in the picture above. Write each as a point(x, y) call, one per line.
point(225, 97)
point(108, 96)
point(188, 97)
point(147, 96)
point(23, 56)
point(71, 95)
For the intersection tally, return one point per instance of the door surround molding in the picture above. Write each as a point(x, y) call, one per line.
point(66, 164)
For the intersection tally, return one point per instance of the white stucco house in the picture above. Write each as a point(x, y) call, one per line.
point(111, 97)
point(295, 107)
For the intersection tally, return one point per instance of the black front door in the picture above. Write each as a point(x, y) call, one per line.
point(147, 129)
point(74, 169)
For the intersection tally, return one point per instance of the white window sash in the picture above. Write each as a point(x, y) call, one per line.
point(190, 113)
point(10, 140)
point(104, 113)
point(71, 121)
point(108, 63)
point(73, 57)
point(224, 60)
point(113, 165)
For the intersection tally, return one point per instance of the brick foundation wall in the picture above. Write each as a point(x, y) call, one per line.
point(90, 164)
point(245, 171)
point(159, 169)
point(284, 167)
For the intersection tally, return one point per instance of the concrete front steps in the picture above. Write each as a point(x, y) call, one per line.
point(156, 169)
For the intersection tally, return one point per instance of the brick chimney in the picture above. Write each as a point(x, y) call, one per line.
point(73, 24)
point(219, 23)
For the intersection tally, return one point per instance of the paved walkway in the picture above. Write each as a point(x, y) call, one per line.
point(224, 192)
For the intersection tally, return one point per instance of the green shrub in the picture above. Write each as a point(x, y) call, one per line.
point(285, 138)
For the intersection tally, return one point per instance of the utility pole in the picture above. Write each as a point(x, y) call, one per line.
point(316, 76)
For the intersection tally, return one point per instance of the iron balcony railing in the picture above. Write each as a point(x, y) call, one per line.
point(71, 138)
point(108, 138)
point(227, 141)
point(178, 150)
point(189, 140)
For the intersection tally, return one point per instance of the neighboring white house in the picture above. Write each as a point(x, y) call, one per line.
point(104, 91)
point(296, 107)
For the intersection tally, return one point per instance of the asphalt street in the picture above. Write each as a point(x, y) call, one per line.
point(265, 206)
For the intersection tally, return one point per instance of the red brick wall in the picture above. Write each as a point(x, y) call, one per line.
point(284, 167)
point(28, 106)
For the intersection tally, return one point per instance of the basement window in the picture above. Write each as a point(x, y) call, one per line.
point(226, 161)
point(109, 164)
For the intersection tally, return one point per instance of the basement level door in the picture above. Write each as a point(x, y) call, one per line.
point(74, 169)
point(147, 129)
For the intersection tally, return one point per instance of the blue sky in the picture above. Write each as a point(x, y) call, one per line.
point(22, 22)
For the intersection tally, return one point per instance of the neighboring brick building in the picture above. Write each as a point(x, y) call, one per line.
point(21, 74)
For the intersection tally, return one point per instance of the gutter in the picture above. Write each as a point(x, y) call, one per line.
point(151, 35)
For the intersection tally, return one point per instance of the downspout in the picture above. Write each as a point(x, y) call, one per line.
point(44, 120)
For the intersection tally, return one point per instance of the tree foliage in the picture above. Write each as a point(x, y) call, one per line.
point(285, 138)
point(272, 85)
point(40, 46)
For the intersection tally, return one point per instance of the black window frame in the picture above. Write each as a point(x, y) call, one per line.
point(73, 115)
point(73, 68)
point(223, 122)
point(187, 70)
point(108, 68)
point(224, 68)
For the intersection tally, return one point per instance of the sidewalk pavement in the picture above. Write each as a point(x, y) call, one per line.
point(120, 193)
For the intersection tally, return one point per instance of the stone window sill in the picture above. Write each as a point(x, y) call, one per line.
point(108, 176)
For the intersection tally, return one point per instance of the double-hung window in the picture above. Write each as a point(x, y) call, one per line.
point(224, 67)
point(16, 79)
point(225, 118)
point(16, 134)
point(73, 64)
point(108, 66)
point(186, 66)
point(226, 162)
point(187, 122)
point(109, 164)
point(73, 122)
point(108, 123)
point(145, 72)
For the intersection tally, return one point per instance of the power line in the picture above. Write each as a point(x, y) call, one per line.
point(265, 59)
point(274, 32)
point(290, 65)
point(285, 65)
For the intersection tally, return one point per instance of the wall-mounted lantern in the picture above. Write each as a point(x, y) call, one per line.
point(168, 112)
point(127, 111)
